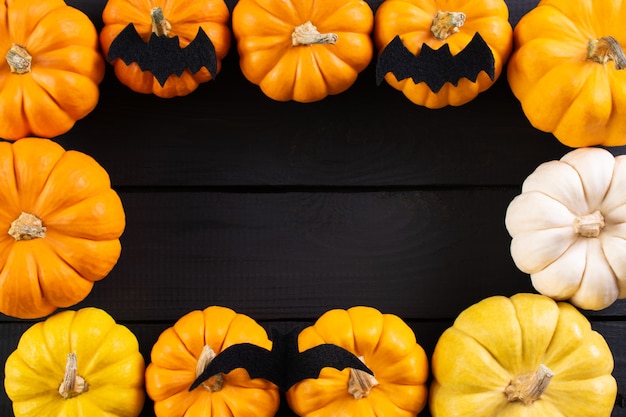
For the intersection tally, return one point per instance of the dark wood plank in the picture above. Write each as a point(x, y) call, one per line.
point(419, 254)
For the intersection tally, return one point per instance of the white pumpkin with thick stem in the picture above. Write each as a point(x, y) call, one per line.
point(568, 228)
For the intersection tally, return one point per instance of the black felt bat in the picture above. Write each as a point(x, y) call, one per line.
point(284, 365)
point(435, 67)
point(162, 55)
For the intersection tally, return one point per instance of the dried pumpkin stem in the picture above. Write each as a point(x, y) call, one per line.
point(446, 23)
point(527, 388)
point(360, 383)
point(215, 382)
point(606, 49)
point(160, 25)
point(589, 225)
point(19, 59)
point(307, 34)
point(26, 227)
point(73, 384)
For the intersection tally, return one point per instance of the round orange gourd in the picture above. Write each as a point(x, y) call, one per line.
point(51, 69)
point(445, 22)
point(303, 50)
point(388, 348)
point(175, 18)
point(76, 363)
point(61, 223)
point(526, 355)
point(184, 350)
point(568, 70)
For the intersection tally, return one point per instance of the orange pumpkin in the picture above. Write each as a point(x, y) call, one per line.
point(52, 68)
point(388, 348)
point(62, 222)
point(169, 18)
point(568, 70)
point(183, 351)
point(303, 50)
point(449, 23)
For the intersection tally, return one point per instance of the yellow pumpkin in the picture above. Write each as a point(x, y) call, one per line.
point(52, 68)
point(449, 23)
point(303, 50)
point(386, 345)
point(526, 355)
point(568, 73)
point(62, 222)
point(183, 351)
point(76, 363)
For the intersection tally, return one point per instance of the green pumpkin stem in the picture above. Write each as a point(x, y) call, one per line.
point(307, 34)
point(19, 59)
point(446, 23)
point(73, 384)
point(606, 49)
point(160, 25)
point(527, 388)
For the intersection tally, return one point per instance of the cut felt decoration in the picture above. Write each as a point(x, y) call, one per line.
point(284, 364)
point(435, 67)
point(162, 55)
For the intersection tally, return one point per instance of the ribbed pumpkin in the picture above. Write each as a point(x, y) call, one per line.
point(168, 18)
point(522, 356)
point(303, 50)
point(76, 363)
point(386, 345)
point(569, 70)
point(62, 222)
point(437, 23)
point(52, 68)
point(184, 350)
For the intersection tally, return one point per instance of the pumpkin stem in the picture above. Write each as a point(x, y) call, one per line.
point(160, 25)
point(589, 225)
point(360, 383)
point(527, 388)
point(446, 23)
point(307, 34)
point(605, 49)
point(216, 382)
point(73, 384)
point(19, 59)
point(26, 227)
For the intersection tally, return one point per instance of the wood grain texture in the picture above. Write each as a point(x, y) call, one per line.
point(284, 210)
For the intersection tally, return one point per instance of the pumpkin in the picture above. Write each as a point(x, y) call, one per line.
point(176, 19)
point(183, 351)
point(76, 363)
point(62, 222)
point(440, 25)
point(386, 345)
point(303, 50)
point(526, 355)
point(567, 70)
point(52, 68)
point(568, 228)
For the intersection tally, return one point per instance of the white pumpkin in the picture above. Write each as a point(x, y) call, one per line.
point(568, 228)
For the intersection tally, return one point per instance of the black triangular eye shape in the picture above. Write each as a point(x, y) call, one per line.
point(284, 365)
point(162, 55)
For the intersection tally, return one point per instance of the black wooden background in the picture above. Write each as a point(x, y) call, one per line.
point(284, 210)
